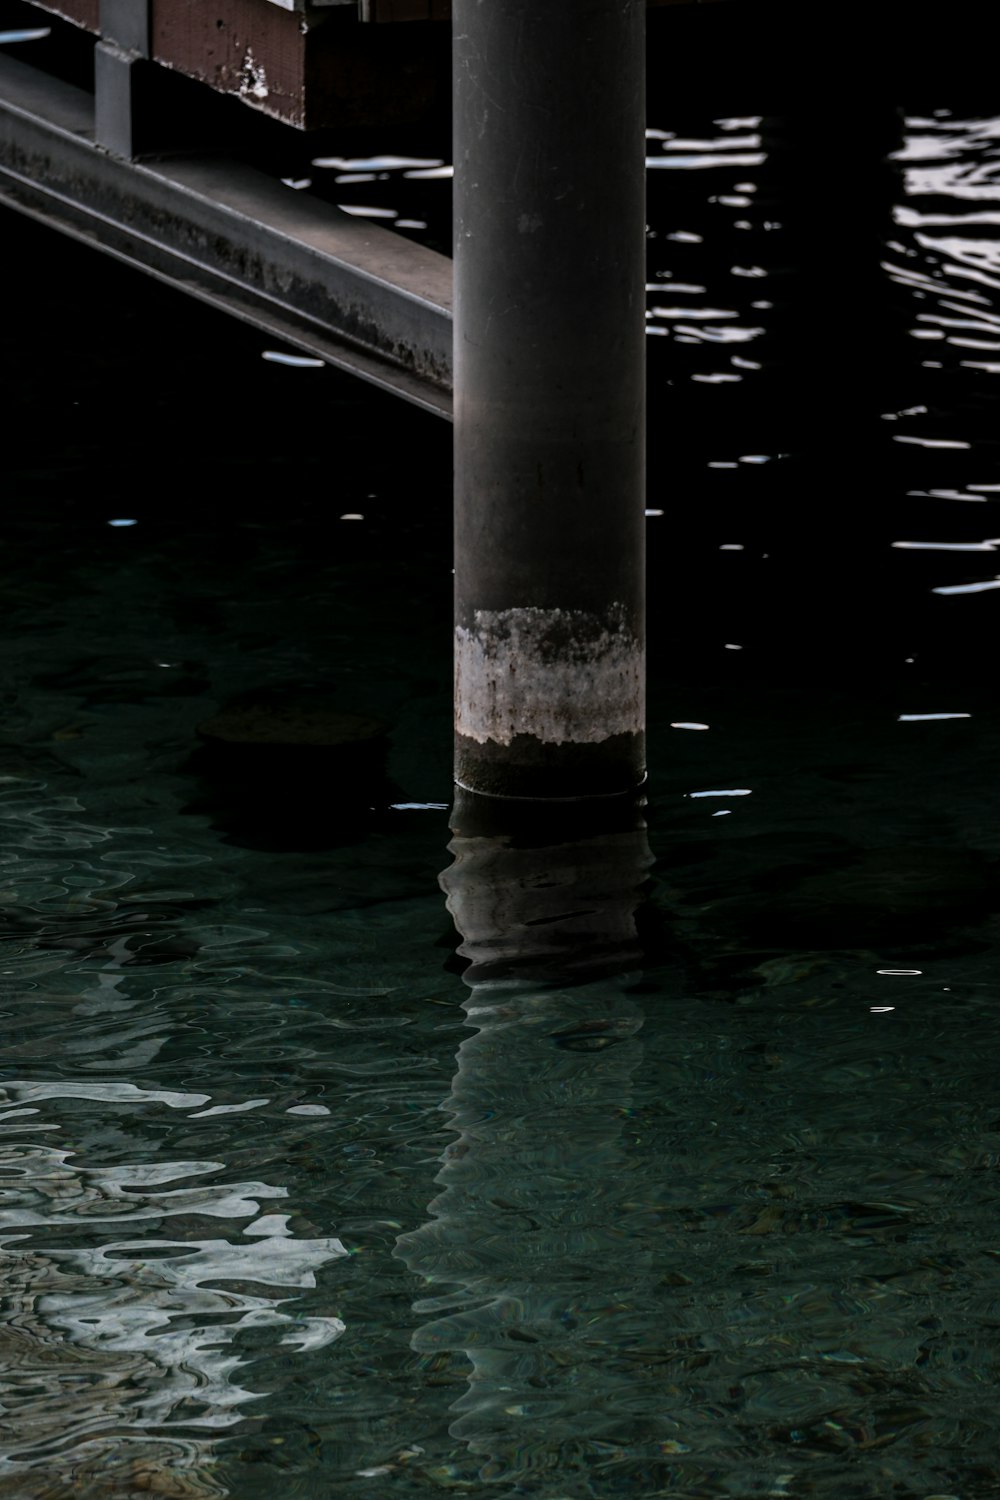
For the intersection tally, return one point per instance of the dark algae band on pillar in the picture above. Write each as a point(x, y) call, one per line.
point(549, 396)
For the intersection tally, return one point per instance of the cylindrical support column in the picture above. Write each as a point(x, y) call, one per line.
point(549, 396)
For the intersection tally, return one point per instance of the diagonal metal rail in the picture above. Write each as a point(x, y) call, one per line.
point(334, 286)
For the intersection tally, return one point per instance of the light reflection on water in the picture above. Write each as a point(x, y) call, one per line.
point(133, 1335)
point(642, 1203)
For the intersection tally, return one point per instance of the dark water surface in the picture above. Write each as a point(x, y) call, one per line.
point(688, 1186)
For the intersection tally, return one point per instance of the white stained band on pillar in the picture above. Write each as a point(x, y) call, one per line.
point(560, 675)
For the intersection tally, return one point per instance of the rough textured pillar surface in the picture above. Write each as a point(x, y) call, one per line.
point(549, 396)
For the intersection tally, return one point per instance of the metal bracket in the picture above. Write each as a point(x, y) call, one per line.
point(115, 90)
point(126, 22)
point(118, 64)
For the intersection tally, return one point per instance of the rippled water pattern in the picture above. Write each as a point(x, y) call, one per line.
point(289, 1204)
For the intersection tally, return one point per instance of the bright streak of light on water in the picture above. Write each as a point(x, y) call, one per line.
point(740, 791)
point(945, 546)
point(950, 494)
point(294, 361)
point(968, 588)
point(750, 159)
point(375, 163)
point(367, 211)
point(35, 34)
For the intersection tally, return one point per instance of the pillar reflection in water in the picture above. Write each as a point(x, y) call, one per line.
point(529, 1272)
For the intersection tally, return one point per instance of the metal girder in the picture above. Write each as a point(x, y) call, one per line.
point(340, 288)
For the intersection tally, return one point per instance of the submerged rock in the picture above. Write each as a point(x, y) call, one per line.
point(290, 724)
point(284, 770)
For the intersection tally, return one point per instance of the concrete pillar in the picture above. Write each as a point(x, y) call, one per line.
point(549, 396)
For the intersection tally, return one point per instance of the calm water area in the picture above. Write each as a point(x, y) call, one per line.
point(359, 1145)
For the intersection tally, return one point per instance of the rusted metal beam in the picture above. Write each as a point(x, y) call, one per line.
point(337, 287)
point(249, 48)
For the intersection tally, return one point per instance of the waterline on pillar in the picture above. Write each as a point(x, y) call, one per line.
point(582, 797)
point(549, 703)
point(531, 771)
point(563, 676)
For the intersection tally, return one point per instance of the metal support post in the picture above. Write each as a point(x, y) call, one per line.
point(549, 396)
point(119, 59)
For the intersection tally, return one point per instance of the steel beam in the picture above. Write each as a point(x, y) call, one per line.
point(347, 291)
point(549, 396)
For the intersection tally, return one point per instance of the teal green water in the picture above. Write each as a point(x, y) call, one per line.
point(680, 1177)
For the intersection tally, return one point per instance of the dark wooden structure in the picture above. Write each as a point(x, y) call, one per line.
point(305, 62)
